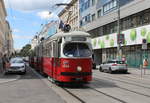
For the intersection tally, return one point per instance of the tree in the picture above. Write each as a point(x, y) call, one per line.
point(25, 51)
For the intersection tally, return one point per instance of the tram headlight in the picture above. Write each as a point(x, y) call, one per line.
point(79, 69)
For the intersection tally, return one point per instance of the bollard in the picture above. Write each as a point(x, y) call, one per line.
point(141, 70)
point(144, 68)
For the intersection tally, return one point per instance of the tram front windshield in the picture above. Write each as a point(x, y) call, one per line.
point(77, 50)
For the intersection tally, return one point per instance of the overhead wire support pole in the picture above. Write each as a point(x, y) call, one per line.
point(78, 6)
point(118, 30)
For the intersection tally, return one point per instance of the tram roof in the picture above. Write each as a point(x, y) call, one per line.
point(72, 33)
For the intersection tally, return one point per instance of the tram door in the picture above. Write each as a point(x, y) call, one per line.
point(56, 59)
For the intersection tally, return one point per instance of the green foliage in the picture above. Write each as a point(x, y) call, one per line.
point(25, 51)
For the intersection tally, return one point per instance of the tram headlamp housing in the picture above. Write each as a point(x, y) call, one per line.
point(79, 69)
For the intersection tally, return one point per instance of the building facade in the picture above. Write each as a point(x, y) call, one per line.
point(34, 42)
point(8, 45)
point(2, 27)
point(99, 18)
point(47, 30)
point(6, 40)
point(71, 12)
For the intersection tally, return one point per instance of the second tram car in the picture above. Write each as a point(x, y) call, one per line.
point(66, 57)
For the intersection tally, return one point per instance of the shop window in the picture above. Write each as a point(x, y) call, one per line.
point(146, 18)
point(100, 31)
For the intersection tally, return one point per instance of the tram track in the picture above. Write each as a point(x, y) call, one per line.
point(131, 79)
point(121, 101)
point(75, 96)
point(123, 81)
point(127, 77)
point(96, 79)
point(98, 91)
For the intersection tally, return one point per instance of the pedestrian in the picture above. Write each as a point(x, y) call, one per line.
point(124, 59)
point(5, 62)
point(1, 62)
point(145, 64)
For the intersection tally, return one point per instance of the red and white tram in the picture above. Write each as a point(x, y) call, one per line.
point(66, 57)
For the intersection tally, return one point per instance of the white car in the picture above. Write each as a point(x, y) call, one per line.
point(113, 65)
point(17, 65)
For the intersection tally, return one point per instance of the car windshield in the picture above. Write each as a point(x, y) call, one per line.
point(77, 50)
point(118, 62)
point(16, 61)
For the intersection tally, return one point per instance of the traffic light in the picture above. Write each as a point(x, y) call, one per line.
point(120, 39)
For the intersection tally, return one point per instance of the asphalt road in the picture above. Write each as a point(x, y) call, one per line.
point(105, 88)
point(27, 88)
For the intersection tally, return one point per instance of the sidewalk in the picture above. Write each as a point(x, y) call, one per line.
point(138, 73)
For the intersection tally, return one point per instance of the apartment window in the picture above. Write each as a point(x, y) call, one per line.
point(133, 21)
point(99, 13)
point(114, 3)
point(88, 17)
point(84, 5)
point(146, 18)
point(139, 19)
point(81, 23)
point(109, 6)
point(93, 17)
point(93, 2)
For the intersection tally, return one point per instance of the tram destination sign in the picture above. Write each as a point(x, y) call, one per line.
point(78, 38)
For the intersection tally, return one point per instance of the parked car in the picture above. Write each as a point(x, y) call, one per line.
point(17, 65)
point(113, 65)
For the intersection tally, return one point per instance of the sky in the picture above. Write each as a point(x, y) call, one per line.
point(26, 16)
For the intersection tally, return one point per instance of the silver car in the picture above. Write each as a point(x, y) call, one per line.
point(17, 65)
point(113, 65)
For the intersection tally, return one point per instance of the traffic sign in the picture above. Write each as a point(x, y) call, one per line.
point(144, 44)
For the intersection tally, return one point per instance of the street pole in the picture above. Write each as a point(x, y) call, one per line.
point(78, 3)
point(119, 52)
